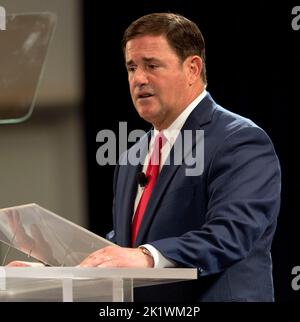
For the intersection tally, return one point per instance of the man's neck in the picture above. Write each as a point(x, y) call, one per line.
point(195, 92)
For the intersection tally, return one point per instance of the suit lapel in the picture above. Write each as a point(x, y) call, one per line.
point(129, 191)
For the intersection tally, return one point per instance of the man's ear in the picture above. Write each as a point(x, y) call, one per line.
point(195, 65)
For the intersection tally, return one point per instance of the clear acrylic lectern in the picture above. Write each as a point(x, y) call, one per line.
point(61, 245)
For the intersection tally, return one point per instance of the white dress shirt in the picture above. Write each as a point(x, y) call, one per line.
point(170, 134)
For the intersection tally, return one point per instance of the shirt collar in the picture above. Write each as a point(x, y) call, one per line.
point(172, 131)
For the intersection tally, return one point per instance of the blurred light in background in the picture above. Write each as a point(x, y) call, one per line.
point(42, 160)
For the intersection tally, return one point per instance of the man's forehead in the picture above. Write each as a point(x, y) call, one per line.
point(146, 43)
point(146, 47)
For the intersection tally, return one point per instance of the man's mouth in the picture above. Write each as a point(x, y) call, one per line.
point(144, 95)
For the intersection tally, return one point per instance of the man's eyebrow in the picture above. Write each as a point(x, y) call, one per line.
point(129, 62)
point(145, 59)
point(151, 59)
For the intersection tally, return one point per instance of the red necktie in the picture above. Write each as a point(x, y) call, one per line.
point(151, 175)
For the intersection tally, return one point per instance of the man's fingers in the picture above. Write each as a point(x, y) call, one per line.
point(17, 264)
point(97, 258)
point(118, 257)
point(107, 264)
point(94, 261)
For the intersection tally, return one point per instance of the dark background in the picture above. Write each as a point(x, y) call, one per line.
point(253, 68)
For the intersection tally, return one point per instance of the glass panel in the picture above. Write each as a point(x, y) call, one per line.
point(24, 45)
point(47, 237)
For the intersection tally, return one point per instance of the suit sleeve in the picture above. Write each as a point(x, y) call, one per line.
point(243, 187)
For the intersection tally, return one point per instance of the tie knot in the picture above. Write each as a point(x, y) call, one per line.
point(160, 140)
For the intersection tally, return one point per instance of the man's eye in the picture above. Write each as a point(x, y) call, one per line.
point(131, 68)
point(152, 66)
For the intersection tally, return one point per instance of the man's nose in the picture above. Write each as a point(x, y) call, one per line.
point(140, 77)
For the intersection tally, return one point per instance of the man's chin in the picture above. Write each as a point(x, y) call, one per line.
point(146, 113)
point(146, 117)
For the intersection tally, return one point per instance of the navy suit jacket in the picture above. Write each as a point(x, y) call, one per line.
point(221, 222)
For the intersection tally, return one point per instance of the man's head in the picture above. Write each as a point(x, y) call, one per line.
point(165, 60)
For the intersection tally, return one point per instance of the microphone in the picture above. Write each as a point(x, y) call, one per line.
point(142, 179)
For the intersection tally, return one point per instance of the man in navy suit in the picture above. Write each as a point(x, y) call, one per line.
point(220, 219)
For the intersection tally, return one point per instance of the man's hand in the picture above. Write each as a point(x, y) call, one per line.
point(17, 264)
point(24, 264)
point(115, 256)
